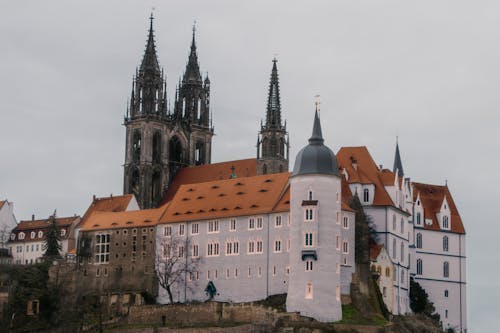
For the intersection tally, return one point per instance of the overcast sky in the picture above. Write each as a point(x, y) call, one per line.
point(428, 71)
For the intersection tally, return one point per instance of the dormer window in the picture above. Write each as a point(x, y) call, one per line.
point(366, 195)
point(40, 234)
point(21, 235)
point(32, 235)
point(12, 236)
point(63, 232)
point(446, 223)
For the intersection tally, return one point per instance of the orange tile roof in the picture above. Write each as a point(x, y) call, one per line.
point(366, 172)
point(432, 197)
point(375, 249)
point(129, 219)
point(226, 198)
point(2, 203)
point(210, 172)
point(117, 203)
point(283, 204)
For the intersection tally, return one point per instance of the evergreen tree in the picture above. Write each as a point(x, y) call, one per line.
point(419, 301)
point(52, 245)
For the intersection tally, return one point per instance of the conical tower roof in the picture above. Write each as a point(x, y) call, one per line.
point(398, 165)
point(192, 73)
point(150, 59)
point(273, 114)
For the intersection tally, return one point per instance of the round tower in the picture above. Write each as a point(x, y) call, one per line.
point(315, 208)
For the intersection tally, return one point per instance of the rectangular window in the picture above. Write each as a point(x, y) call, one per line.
point(213, 226)
point(213, 249)
point(309, 214)
point(337, 242)
point(196, 250)
point(259, 223)
point(337, 220)
point(308, 239)
point(309, 265)
point(277, 246)
point(309, 291)
point(181, 230)
point(260, 271)
point(278, 221)
point(167, 231)
point(229, 248)
point(260, 247)
point(194, 229)
point(180, 251)
point(288, 244)
point(251, 223)
point(102, 248)
point(346, 222)
point(232, 225)
point(227, 273)
point(251, 247)
point(345, 247)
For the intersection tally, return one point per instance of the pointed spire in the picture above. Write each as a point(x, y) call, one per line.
point(273, 115)
point(150, 59)
point(192, 73)
point(398, 165)
point(317, 135)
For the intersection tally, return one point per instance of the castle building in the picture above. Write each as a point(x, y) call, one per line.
point(247, 229)
point(439, 253)
point(27, 239)
point(161, 141)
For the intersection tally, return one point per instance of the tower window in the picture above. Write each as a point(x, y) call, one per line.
point(136, 145)
point(308, 239)
point(310, 195)
point(446, 269)
point(309, 291)
point(446, 293)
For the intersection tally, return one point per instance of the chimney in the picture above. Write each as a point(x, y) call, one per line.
point(380, 167)
point(33, 217)
point(93, 198)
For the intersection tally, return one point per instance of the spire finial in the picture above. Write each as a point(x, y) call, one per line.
point(317, 103)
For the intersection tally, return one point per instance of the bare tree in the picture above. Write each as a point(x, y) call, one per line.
point(175, 262)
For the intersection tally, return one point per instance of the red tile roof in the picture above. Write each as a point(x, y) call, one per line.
point(365, 172)
point(375, 249)
point(210, 172)
point(117, 203)
point(432, 197)
point(230, 197)
point(130, 219)
point(42, 225)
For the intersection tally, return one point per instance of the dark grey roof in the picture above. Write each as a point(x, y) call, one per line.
point(398, 165)
point(316, 158)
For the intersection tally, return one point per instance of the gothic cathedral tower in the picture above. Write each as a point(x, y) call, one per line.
point(272, 142)
point(159, 142)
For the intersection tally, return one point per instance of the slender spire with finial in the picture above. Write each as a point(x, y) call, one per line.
point(273, 115)
point(192, 73)
point(398, 165)
point(150, 59)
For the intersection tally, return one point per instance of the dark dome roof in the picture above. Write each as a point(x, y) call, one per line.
point(316, 158)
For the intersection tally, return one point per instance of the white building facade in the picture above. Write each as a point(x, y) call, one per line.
point(7, 222)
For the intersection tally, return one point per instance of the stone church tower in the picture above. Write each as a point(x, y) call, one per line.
point(272, 142)
point(158, 141)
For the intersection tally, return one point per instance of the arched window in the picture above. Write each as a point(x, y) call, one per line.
point(157, 147)
point(445, 222)
point(420, 267)
point(366, 195)
point(445, 243)
point(419, 241)
point(40, 234)
point(419, 218)
point(32, 234)
point(156, 190)
point(134, 182)
point(136, 146)
point(282, 148)
point(199, 155)
point(175, 155)
point(446, 269)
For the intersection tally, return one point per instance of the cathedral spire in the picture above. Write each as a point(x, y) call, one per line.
point(192, 73)
point(398, 165)
point(273, 114)
point(150, 59)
